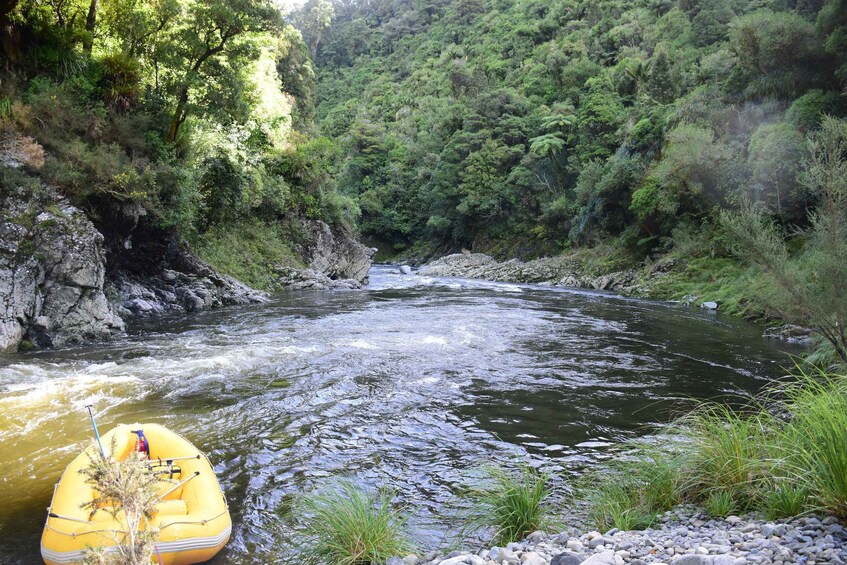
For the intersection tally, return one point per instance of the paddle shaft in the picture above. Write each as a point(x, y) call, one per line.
point(96, 432)
point(164, 494)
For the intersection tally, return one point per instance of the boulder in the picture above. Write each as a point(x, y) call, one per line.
point(790, 333)
point(567, 558)
point(466, 264)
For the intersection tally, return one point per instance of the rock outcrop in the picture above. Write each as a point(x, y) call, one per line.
point(182, 283)
point(334, 259)
point(54, 277)
point(335, 252)
point(52, 273)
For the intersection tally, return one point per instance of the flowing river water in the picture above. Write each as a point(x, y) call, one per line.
point(413, 383)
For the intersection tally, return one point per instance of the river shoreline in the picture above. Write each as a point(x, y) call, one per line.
point(647, 281)
point(683, 536)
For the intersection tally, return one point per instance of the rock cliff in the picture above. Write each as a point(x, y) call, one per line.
point(333, 257)
point(52, 273)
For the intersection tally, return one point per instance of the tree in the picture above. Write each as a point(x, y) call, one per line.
point(312, 20)
point(776, 54)
point(139, 26)
point(809, 288)
point(775, 156)
point(209, 51)
point(659, 81)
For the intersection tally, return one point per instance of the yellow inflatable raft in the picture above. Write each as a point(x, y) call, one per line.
point(192, 517)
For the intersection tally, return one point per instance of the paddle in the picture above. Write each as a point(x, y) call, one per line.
point(96, 432)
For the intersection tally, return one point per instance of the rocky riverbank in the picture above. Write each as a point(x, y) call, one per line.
point(556, 271)
point(66, 277)
point(683, 537)
point(567, 271)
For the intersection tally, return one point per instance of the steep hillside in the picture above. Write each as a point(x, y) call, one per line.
point(530, 126)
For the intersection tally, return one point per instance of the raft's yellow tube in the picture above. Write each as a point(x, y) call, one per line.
point(193, 519)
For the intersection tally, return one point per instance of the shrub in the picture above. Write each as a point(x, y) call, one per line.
point(126, 489)
point(806, 112)
point(121, 81)
point(347, 525)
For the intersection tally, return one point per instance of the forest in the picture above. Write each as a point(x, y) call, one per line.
point(531, 126)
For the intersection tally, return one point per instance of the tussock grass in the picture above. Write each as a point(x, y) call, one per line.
point(727, 451)
point(347, 525)
point(720, 503)
point(631, 494)
point(513, 503)
point(814, 439)
point(784, 499)
point(783, 455)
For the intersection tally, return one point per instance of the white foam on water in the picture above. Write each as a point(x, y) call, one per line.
point(507, 288)
point(594, 444)
point(435, 340)
point(357, 343)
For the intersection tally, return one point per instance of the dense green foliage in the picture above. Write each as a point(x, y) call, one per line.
point(808, 287)
point(466, 123)
point(198, 112)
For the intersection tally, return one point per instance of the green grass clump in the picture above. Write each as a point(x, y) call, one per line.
point(727, 452)
point(631, 494)
point(617, 504)
point(720, 503)
point(814, 439)
point(347, 525)
point(784, 499)
point(784, 455)
point(514, 503)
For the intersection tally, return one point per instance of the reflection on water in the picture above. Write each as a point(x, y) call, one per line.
point(413, 383)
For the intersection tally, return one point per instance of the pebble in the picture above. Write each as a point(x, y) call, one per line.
point(683, 536)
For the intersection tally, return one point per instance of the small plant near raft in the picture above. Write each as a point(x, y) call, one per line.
point(348, 525)
point(126, 490)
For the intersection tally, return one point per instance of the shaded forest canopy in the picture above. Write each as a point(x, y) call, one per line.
point(534, 125)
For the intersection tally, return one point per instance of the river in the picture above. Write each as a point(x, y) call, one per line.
point(413, 383)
